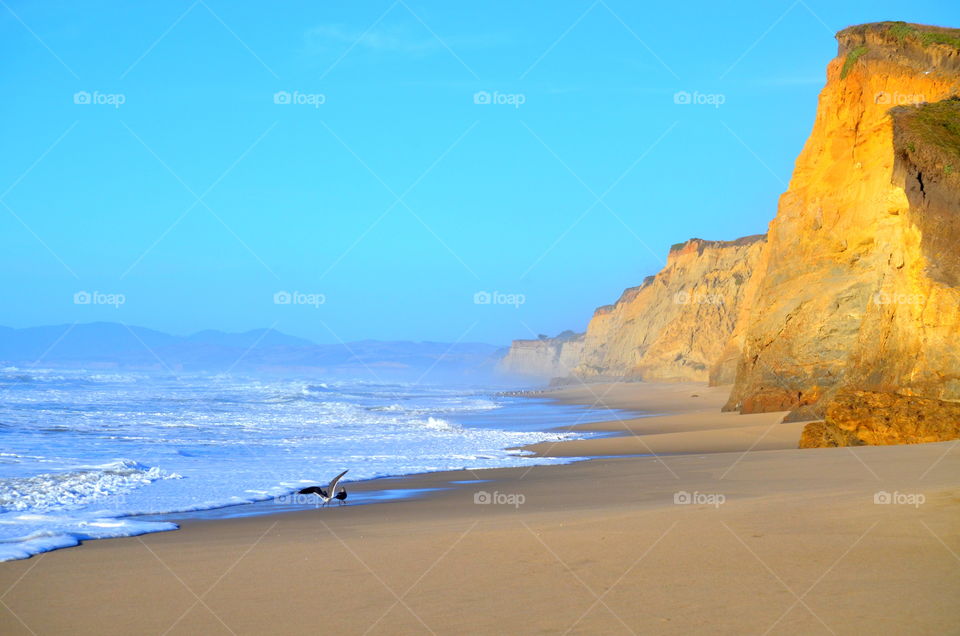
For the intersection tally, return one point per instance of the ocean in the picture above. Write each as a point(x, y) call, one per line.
point(83, 454)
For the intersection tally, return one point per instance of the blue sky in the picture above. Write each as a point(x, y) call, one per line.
point(224, 152)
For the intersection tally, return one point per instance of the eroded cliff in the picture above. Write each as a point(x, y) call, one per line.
point(849, 311)
point(543, 358)
point(860, 287)
point(678, 324)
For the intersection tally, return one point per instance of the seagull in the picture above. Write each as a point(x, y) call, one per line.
point(325, 494)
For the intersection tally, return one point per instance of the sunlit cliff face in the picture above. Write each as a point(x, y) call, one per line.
point(857, 285)
point(850, 293)
point(678, 324)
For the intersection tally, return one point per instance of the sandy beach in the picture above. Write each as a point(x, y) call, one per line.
point(709, 522)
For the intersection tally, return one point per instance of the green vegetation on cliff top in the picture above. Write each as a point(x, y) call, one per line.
point(852, 58)
point(901, 32)
point(930, 133)
point(924, 34)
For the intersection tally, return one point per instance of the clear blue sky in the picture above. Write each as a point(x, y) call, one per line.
point(304, 196)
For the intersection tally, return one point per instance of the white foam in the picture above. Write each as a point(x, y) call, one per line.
point(103, 485)
point(439, 424)
point(79, 458)
point(42, 533)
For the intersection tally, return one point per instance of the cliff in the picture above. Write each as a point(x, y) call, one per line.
point(849, 311)
point(859, 287)
point(543, 358)
point(678, 324)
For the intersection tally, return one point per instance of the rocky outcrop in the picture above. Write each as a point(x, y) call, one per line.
point(678, 324)
point(855, 418)
point(859, 288)
point(820, 435)
point(543, 358)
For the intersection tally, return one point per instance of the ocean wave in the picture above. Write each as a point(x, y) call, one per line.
point(452, 407)
point(44, 532)
point(389, 408)
point(16, 375)
point(309, 392)
point(119, 378)
point(103, 485)
point(234, 440)
point(438, 424)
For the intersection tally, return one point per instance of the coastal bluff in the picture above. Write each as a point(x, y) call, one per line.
point(848, 308)
point(860, 289)
point(679, 325)
point(543, 357)
point(681, 322)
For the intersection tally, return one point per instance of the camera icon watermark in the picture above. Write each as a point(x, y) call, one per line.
point(99, 298)
point(684, 498)
point(498, 298)
point(887, 298)
point(296, 499)
point(97, 98)
point(299, 298)
point(699, 99)
point(896, 497)
point(499, 99)
point(484, 498)
point(299, 99)
point(897, 98)
point(686, 298)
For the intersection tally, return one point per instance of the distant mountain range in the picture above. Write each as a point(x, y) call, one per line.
point(107, 345)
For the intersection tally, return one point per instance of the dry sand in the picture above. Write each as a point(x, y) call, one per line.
point(782, 541)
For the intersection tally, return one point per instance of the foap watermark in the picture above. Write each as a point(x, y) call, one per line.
point(299, 298)
point(686, 298)
point(887, 298)
point(498, 298)
point(897, 98)
point(714, 499)
point(112, 501)
point(499, 99)
point(99, 298)
point(896, 497)
point(97, 98)
point(484, 498)
point(296, 499)
point(699, 99)
point(299, 99)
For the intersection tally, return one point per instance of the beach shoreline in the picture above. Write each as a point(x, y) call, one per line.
point(691, 519)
